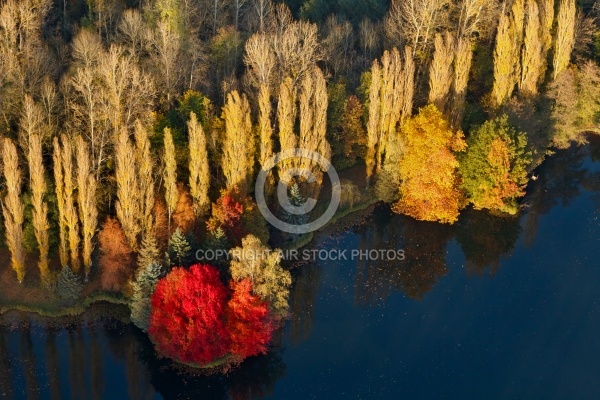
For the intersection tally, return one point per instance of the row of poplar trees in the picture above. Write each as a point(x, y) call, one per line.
point(118, 73)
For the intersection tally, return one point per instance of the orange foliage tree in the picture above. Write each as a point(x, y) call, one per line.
point(116, 256)
point(248, 321)
point(430, 188)
point(184, 215)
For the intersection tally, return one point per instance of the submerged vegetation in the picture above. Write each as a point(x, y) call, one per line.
point(132, 134)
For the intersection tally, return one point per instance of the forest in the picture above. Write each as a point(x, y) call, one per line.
point(133, 131)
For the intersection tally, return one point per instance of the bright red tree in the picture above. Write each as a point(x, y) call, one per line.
point(187, 319)
point(227, 214)
point(248, 321)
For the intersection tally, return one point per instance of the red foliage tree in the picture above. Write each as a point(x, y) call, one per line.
point(238, 215)
point(187, 319)
point(248, 321)
point(227, 214)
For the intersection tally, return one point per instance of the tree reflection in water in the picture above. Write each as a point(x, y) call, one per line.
point(485, 239)
point(424, 244)
point(303, 297)
point(100, 358)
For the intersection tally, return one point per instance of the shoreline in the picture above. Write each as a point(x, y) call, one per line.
point(54, 309)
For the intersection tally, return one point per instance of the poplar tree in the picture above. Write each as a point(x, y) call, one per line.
point(59, 183)
point(532, 53)
point(462, 67)
point(313, 119)
point(145, 178)
point(565, 36)
point(199, 168)
point(37, 183)
point(86, 199)
point(441, 71)
point(286, 118)
point(546, 8)
point(71, 217)
point(507, 52)
point(128, 204)
point(170, 174)
point(238, 147)
point(13, 208)
point(265, 129)
point(390, 102)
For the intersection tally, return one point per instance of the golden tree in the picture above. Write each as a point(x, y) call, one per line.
point(265, 129)
point(199, 168)
point(87, 201)
point(507, 52)
point(71, 217)
point(128, 195)
point(430, 183)
point(238, 146)
point(13, 208)
point(441, 71)
point(565, 35)
point(59, 183)
point(546, 8)
point(462, 67)
point(313, 119)
point(170, 174)
point(532, 54)
point(390, 103)
point(145, 177)
point(270, 281)
point(37, 183)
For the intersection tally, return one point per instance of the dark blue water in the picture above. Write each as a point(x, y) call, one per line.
point(490, 308)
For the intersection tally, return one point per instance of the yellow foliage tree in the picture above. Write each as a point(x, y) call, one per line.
point(507, 66)
point(565, 35)
point(37, 183)
point(430, 184)
point(13, 208)
point(199, 168)
point(86, 198)
point(238, 147)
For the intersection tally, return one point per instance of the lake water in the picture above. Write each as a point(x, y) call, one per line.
point(490, 308)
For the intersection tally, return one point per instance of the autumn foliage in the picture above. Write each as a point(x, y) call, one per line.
point(248, 321)
point(227, 214)
point(196, 320)
point(116, 256)
point(494, 168)
point(187, 322)
point(430, 184)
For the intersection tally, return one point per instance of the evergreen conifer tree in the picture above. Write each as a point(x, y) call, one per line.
point(143, 287)
point(68, 285)
point(179, 248)
point(149, 252)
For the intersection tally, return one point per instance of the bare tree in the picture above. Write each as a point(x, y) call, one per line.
point(414, 22)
